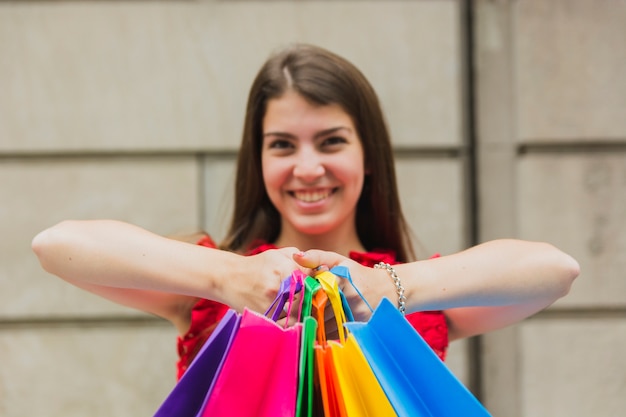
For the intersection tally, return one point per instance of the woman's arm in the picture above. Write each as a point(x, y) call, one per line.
point(486, 287)
point(137, 268)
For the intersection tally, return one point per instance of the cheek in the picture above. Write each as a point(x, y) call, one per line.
point(267, 176)
point(352, 174)
point(274, 174)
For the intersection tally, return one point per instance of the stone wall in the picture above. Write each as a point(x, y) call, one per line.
point(133, 111)
point(551, 132)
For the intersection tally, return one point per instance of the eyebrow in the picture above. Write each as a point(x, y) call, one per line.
point(322, 133)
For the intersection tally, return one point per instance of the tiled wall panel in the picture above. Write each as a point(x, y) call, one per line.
point(175, 75)
point(569, 57)
point(431, 193)
point(219, 182)
point(578, 202)
point(573, 367)
point(158, 193)
point(97, 371)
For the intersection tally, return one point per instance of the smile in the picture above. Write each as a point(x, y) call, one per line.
point(312, 196)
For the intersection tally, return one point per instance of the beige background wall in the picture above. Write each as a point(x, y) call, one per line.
point(551, 132)
point(132, 110)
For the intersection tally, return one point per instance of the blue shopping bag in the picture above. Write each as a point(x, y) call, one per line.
point(415, 380)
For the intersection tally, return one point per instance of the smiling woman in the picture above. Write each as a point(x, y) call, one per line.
point(315, 188)
point(306, 94)
point(313, 171)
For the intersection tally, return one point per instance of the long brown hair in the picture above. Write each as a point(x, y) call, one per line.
point(323, 78)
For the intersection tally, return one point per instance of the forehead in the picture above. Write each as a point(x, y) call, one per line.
point(293, 113)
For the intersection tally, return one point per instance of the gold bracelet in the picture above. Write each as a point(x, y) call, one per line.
point(396, 281)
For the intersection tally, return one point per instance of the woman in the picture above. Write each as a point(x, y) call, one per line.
point(315, 188)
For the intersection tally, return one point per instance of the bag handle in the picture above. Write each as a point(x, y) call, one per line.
point(311, 287)
point(318, 302)
point(298, 277)
point(286, 294)
point(331, 288)
point(344, 272)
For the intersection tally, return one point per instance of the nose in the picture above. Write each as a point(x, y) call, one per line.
point(309, 166)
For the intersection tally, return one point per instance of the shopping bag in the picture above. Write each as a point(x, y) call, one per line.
point(304, 403)
point(188, 395)
point(328, 398)
point(416, 381)
point(361, 393)
point(260, 373)
point(350, 387)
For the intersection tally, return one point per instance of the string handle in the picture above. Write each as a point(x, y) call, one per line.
point(343, 272)
point(331, 288)
point(286, 294)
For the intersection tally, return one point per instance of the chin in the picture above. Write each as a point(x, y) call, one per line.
point(315, 229)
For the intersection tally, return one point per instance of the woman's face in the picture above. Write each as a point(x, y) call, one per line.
point(313, 165)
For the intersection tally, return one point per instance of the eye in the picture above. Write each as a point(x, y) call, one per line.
point(334, 141)
point(280, 144)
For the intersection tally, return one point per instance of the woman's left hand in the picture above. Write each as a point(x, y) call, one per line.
point(368, 280)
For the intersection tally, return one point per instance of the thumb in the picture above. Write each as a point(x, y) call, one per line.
point(309, 259)
point(314, 258)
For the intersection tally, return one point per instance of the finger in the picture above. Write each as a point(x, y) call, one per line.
point(314, 258)
point(308, 259)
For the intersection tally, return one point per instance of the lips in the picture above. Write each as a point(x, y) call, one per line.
point(312, 196)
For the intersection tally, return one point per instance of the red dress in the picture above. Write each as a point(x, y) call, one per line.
point(206, 314)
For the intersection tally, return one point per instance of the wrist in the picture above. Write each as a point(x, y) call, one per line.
point(397, 283)
point(219, 269)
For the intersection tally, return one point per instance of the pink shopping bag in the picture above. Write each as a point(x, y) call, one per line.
point(260, 373)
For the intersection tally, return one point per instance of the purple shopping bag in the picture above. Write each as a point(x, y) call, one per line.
point(190, 393)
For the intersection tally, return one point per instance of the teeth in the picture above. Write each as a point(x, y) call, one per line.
point(311, 196)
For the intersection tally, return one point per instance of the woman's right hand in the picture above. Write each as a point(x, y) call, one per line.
point(256, 279)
